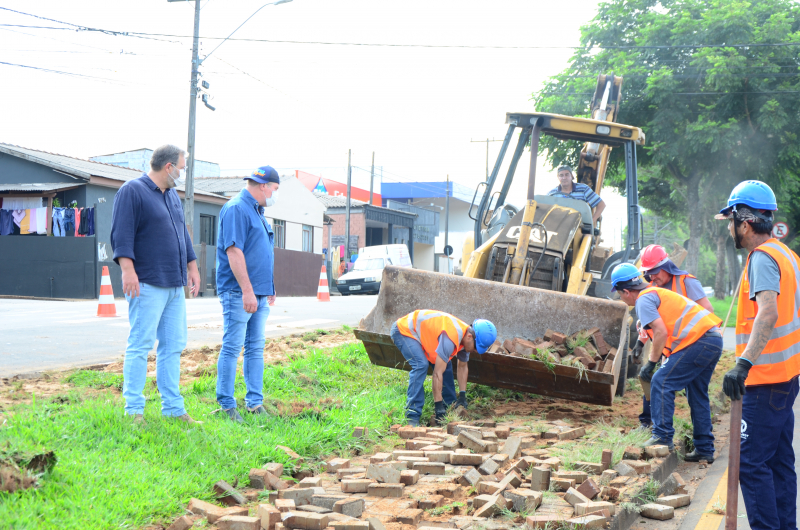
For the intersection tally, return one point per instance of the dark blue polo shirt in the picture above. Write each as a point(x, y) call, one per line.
point(242, 224)
point(147, 226)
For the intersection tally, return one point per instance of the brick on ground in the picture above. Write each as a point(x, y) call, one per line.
point(609, 493)
point(213, 512)
point(385, 473)
point(429, 468)
point(471, 477)
point(228, 495)
point(269, 515)
point(350, 525)
point(528, 441)
point(408, 433)
point(359, 432)
point(511, 447)
point(263, 479)
point(385, 490)
point(540, 478)
point(349, 472)
point(285, 505)
point(313, 509)
point(375, 524)
point(587, 521)
point(676, 501)
point(589, 507)
point(377, 458)
point(439, 456)
point(543, 521)
point(356, 485)
point(449, 491)
point(310, 482)
point(410, 516)
point(574, 497)
point(470, 441)
point(300, 496)
point(589, 489)
point(591, 467)
point(352, 507)
point(274, 468)
point(655, 451)
point(578, 476)
point(181, 523)
point(523, 500)
point(291, 454)
point(500, 458)
point(336, 464)
point(625, 470)
point(608, 475)
point(659, 512)
point(304, 521)
point(572, 434)
point(633, 453)
point(416, 444)
point(491, 505)
point(239, 522)
point(431, 448)
point(640, 466)
point(430, 502)
point(327, 500)
point(460, 459)
point(502, 432)
point(488, 467)
point(409, 477)
point(488, 488)
point(561, 484)
point(404, 452)
point(412, 459)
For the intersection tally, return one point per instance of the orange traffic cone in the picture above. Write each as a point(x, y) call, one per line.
point(323, 294)
point(106, 306)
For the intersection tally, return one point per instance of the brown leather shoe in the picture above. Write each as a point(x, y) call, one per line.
point(188, 419)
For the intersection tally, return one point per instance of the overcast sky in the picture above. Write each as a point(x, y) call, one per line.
point(290, 105)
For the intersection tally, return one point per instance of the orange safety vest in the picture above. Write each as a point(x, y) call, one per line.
point(686, 321)
point(679, 284)
point(779, 362)
point(425, 326)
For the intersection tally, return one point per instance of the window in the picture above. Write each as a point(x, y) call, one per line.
point(279, 227)
point(208, 229)
point(308, 238)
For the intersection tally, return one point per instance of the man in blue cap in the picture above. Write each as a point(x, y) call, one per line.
point(245, 265)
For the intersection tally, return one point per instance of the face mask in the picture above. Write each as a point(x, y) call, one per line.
point(179, 180)
point(270, 201)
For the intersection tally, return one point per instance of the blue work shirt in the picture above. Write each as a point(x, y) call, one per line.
point(580, 192)
point(147, 226)
point(242, 225)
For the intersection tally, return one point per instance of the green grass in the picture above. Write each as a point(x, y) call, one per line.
point(93, 379)
point(721, 309)
point(113, 474)
point(610, 438)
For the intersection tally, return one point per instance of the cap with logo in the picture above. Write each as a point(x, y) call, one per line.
point(264, 175)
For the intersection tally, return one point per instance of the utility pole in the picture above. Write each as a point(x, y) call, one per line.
point(347, 213)
point(447, 212)
point(371, 177)
point(487, 152)
point(188, 204)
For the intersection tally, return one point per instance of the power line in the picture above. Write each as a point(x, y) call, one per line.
point(60, 72)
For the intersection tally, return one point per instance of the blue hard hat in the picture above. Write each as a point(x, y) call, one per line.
point(753, 193)
point(625, 276)
point(485, 334)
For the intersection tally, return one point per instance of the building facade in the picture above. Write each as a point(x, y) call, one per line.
point(140, 159)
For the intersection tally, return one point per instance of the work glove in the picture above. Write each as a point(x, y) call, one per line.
point(646, 373)
point(440, 410)
point(733, 382)
point(637, 352)
point(462, 400)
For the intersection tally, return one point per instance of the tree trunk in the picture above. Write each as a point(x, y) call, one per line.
point(695, 222)
point(722, 247)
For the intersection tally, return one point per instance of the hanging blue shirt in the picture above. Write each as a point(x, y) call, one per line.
point(242, 225)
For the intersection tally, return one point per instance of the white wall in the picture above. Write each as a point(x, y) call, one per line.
point(297, 207)
point(318, 240)
point(423, 257)
point(294, 236)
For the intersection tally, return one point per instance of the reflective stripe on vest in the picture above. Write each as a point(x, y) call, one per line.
point(779, 362)
point(685, 320)
point(679, 284)
point(425, 326)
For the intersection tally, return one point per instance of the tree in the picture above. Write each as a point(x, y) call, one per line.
point(715, 87)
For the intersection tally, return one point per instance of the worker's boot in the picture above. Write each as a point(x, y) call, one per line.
point(694, 456)
point(413, 422)
point(440, 409)
point(656, 441)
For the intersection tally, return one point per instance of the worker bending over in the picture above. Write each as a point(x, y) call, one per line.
point(427, 337)
point(569, 189)
point(660, 271)
point(768, 364)
point(689, 339)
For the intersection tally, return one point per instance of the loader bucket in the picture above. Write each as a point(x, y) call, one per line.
point(517, 312)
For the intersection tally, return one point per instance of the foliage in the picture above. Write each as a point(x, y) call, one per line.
point(115, 474)
point(609, 438)
point(721, 308)
point(94, 379)
point(713, 116)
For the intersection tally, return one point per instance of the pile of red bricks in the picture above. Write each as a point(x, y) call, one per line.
point(559, 348)
point(465, 476)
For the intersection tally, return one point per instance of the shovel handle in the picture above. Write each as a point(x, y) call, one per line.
point(732, 505)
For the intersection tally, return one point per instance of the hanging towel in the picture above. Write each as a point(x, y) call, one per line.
point(84, 230)
point(41, 220)
point(32, 222)
point(90, 218)
point(25, 223)
point(18, 215)
point(77, 220)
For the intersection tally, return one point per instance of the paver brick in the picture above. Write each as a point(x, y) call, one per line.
point(676, 501)
point(572, 434)
point(285, 505)
point(470, 441)
point(181, 523)
point(304, 521)
point(488, 488)
point(523, 500)
point(228, 495)
point(431, 448)
point(528, 441)
point(587, 521)
point(543, 521)
point(336, 464)
point(263, 479)
point(561, 484)
point(410, 516)
point(375, 524)
point(313, 509)
point(212, 512)
point(300, 496)
point(385, 490)
point(540, 478)
point(239, 522)
point(492, 506)
point(408, 433)
point(327, 500)
point(348, 472)
point(633, 453)
point(274, 468)
point(512, 446)
point(640, 466)
point(502, 432)
point(659, 512)
point(383, 473)
point(589, 489)
point(360, 485)
point(609, 475)
point(488, 467)
point(574, 497)
point(269, 515)
point(471, 477)
point(350, 525)
point(359, 432)
point(413, 459)
point(592, 467)
point(402, 452)
point(428, 468)
point(472, 429)
point(409, 477)
point(589, 507)
point(377, 458)
point(352, 507)
point(431, 502)
point(439, 456)
point(310, 482)
point(610, 493)
point(459, 459)
point(577, 476)
point(417, 444)
point(625, 470)
point(655, 451)
point(291, 454)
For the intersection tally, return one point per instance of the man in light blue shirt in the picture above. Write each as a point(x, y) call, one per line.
point(245, 265)
point(569, 189)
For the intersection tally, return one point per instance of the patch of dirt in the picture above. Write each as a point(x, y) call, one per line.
point(13, 479)
point(20, 471)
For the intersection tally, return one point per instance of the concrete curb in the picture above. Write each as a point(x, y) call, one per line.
point(623, 520)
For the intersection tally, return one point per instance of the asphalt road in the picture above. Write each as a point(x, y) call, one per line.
point(40, 335)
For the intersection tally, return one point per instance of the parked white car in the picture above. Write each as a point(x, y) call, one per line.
point(365, 278)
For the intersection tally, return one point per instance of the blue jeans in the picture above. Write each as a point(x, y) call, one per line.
point(241, 329)
point(415, 355)
point(158, 312)
point(690, 368)
point(645, 418)
point(767, 474)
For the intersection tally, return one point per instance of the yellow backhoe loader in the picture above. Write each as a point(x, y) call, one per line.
point(533, 269)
